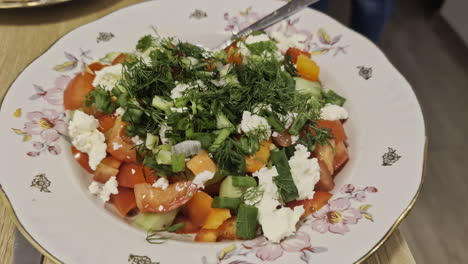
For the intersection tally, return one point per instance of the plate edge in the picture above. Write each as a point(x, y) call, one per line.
point(4, 198)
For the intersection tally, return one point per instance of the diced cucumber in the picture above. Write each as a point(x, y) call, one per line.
point(222, 121)
point(155, 221)
point(162, 104)
point(151, 141)
point(227, 189)
point(178, 162)
point(307, 87)
point(226, 202)
point(243, 181)
point(163, 154)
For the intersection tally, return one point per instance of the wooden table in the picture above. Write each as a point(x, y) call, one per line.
point(25, 34)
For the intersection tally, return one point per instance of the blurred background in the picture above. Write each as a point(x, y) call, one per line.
point(427, 42)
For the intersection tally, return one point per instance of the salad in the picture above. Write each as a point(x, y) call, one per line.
point(226, 145)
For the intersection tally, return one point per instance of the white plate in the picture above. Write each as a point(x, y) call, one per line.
point(48, 190)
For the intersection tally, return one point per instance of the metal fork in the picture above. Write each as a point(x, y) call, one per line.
point(274, 17)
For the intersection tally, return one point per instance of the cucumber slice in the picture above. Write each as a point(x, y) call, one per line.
point(151, 141)
point(155, 221)
point(227, 189)
point(162, 104)
point(307, 87)
point(163, 154)
point(222, 121)
point(178, 162)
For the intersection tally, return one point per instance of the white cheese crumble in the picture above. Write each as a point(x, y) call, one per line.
point(275, 134)
point(84, 135)
point(305, 172)
point(108, 77)
point(289, 119)
point(137, 140)
point(253, 123)
point(119, 111)
point(162, 183)
point(104, 190)
point(276, 223)
point(333, 112)
point(179, 90)
point(286, 41)
point(244, 50)
point(116, 146)
point(251, 39)
point(294, 139)
point(202, 178)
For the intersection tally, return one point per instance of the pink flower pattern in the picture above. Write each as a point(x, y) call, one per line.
point(49, 124)
point(53, 95)
point(268, 251)
point(335, 217)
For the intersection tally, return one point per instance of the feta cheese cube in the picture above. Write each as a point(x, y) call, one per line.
point(333, 112)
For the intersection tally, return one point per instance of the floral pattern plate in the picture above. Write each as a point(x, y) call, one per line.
point(48, 191)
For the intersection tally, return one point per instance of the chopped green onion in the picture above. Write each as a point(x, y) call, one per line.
point(298, 123)
point(284, 181)
point(226, 202)
point(274, 122)
point(223, 134)
point(243, 181)
point(176, 227)
point(178, 162)
point(247, 221)
point(333, 98)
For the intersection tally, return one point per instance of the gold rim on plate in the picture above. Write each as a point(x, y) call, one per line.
point(31, 3)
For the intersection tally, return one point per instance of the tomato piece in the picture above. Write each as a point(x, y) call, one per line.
point(130, 174)
point(157, 200)
point(82, 158)
point(121, 59)
point(199, 208)
point(74, 96)
point(295, 52)
point(234, 56)
point(312, 205)
point(341, 156)
point(216, 218)
point(307, 68)
point(336, 127)
point(256, 161)
point(202, 162)
point(106, 122)
point(107, 168)
point(96, 66)
point(150, 175)
point(189, 226)
point(118, 143)
point(326, 153)
point(326, 182)
point(124, 201)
